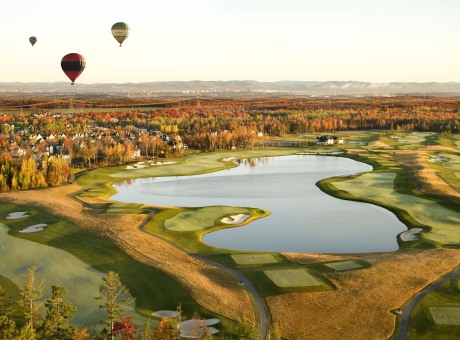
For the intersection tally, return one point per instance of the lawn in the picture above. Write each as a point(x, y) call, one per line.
point(375, 187)
point(84, 256)
point(437, 316)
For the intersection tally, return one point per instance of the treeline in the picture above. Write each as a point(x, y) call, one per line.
point(216, 123)
point(27, 318)
point(27, 174)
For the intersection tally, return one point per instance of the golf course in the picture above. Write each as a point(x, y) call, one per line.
point(159, 253)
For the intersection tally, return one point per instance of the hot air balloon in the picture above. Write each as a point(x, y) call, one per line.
point(73, 65)
point(32, 40)
point(120, 31)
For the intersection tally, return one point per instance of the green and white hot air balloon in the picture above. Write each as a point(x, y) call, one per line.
point(120, 31)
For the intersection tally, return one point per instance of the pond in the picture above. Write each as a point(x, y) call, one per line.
point(302, 219)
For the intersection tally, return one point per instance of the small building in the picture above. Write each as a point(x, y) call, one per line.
point(328, 140)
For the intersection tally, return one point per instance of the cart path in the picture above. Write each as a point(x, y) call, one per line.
point(404, 320)
point(258, 302)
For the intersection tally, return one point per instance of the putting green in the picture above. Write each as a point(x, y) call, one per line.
point(378, 187)
point(254, 258)
point(446, 315)
point(345, 265)
point(285, 278)
point(202, 218)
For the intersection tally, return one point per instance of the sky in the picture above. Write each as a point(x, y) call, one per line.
point(264, 40)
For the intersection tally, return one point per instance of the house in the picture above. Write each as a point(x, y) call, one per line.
point(328, 140)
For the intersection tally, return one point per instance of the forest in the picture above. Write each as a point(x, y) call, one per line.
point(42, 139)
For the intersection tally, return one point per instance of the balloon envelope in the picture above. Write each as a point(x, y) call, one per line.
point(120, 31)
point(73, 65)
point(32, 40)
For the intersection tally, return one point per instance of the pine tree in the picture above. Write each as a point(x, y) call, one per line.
point(29, 296)
point(7, 324)
point(114, 297)
point(247, 330)
point(58, 315)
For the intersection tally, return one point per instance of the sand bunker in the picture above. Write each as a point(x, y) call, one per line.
point(410, 235)
point(435, 159)
point(378, 144)
point(166, 313)
point(163, 163)
point(19, 214)
point(194, 329)
point(235, 219)
point(34, 228)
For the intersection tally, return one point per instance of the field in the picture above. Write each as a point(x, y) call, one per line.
point(341, 295)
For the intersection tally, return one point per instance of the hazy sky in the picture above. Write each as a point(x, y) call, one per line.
point(265, 40)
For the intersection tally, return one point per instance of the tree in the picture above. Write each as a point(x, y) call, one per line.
point(82, 334)
point(247, 330)
point(7, 324)
point(273, 333)
point(58, 315)
point(27, 333)
point(29, 295)
point(114, 297)
point(125, 328)
point(146, 333)
point(165, 330)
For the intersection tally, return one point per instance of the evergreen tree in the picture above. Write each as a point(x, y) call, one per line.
point(29, 296)
point(114, 297)
point(247, 330)
point(7, 324)
point(146, 333)
point(58, 315)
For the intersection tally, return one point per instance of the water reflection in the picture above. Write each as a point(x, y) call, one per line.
point(303, 219)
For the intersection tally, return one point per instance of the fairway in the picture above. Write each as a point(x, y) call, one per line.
point(445, 223)
point(345, 265)
point(254, 258)
point(446, 315)
point(285, 278)
point(78, 278)
point(202, 218)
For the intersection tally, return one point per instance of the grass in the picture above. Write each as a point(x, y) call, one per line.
point(245, 259)
point(201, 218)
point(343, 265)
point(92, 257)
point(287, 278)
point(427, 322)
point(379, 188)
point(184, 219)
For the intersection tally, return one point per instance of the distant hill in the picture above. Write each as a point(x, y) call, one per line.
point(238, 87)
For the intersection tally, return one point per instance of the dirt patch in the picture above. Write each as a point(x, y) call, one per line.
point(211, 287)
point(360, 307)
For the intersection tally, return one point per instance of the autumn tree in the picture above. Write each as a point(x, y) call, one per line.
point(125, 328)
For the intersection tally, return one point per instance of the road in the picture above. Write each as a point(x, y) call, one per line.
point(404, 319)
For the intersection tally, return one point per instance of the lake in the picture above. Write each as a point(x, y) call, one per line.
point(302, 219)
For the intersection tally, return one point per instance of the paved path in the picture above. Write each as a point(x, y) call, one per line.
point(258, 302)
point(404, 320)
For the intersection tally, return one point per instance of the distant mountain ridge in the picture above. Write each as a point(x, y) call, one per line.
point(312, 88)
